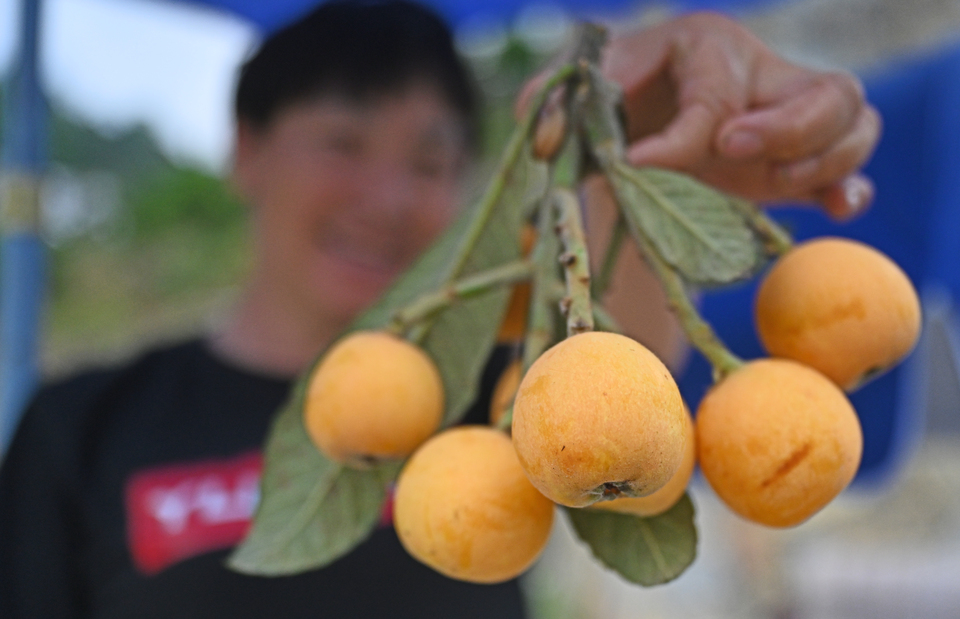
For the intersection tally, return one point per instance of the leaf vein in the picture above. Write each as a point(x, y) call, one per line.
point(651, 540)
point(307, 510)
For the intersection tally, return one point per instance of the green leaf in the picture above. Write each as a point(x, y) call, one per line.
point(462, 338)
point(698, 230)
point(312, 510)
point(646, 551)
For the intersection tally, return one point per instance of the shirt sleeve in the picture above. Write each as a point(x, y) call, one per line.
point(38, 524)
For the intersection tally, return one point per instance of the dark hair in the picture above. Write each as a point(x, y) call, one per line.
point(361, 49)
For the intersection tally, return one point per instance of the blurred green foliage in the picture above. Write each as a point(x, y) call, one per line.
point(171, 257)
point(182, 199)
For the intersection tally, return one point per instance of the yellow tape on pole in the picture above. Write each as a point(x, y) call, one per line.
point(19, 203)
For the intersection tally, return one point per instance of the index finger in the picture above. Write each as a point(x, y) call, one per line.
point(798, 122)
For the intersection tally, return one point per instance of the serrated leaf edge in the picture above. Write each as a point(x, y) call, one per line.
point(647, 185)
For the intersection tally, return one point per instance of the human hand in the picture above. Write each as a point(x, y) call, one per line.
point(705, 96)
point(727, 109)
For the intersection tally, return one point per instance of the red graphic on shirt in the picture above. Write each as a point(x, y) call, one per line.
point(178, 511)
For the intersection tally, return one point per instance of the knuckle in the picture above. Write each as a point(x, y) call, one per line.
point(791, 137)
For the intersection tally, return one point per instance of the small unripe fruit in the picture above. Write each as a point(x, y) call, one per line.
point(505, 390)
point(839, 306)
point(374, 396)
point(464, 507)
point(777, 441)
point(666, 497)
point(597, 417)
point(550, 132)
point(514, 325)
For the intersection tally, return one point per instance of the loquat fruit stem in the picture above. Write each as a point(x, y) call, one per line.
point(698, 331)
point(775, 238)
point(428, 305)
point(591, 39)
point(576, 305)
point(497, 185)
point(546, 278)
point(602, 281)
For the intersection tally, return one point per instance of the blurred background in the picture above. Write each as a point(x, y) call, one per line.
point(145, 242)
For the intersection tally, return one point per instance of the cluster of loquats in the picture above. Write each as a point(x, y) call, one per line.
point(596, 417)
point(590, 420)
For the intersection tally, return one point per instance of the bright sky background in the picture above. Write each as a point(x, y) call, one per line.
point(171, 66)
point(115, 63)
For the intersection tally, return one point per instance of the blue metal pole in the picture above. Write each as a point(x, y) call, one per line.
point(23, 159)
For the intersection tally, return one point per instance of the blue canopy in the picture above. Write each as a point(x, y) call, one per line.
point(271, 15)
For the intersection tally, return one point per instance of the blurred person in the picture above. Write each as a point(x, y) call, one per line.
point(125, 488)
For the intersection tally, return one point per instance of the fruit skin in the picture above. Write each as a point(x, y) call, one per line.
point(839, 306)
point(666, 497)
point(777, 441)
point(464, 507)
point(598, 416)
point(505, 390)
point(373, 396)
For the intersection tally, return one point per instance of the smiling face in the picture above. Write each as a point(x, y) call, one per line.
point(346, 194)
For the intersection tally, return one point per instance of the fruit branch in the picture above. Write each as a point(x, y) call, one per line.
point(599, 100)
point(428, 305)
point(543, 294)
point(698, 330)
point(603, 321)
point(576, 305)
point(776, 240)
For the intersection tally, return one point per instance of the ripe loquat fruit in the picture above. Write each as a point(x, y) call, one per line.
point(598, 417)
point(667, 496)
point(839, 306)
point(373, 396)
point(464, 507)
point(777, 441)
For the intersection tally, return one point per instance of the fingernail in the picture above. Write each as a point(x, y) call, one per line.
point(742, 143)
point(857, 193)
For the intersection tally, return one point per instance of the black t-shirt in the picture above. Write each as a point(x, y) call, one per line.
point(123, 491)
